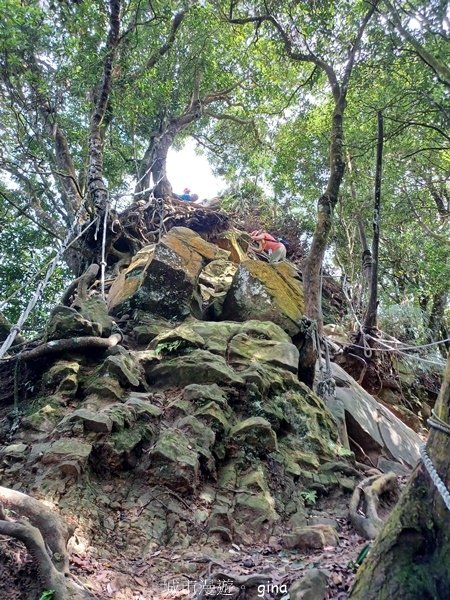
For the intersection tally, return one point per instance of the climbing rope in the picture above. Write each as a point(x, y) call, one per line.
point(440, 485)
point(103, 260)
point(435, 422)
point(326, 387)
point(411, 347)
point(65, 245)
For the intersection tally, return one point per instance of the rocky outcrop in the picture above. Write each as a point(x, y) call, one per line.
point(162, 280)
point(267, 292)
point(198, 413)
point(373, 426)
point(209, 409)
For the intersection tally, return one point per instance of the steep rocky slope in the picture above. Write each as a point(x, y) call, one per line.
point(184, 424)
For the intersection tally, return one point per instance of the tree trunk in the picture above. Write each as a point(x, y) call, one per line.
point(409, 560)
point(327, 202)
point(96, 183)
point(159, 166)
point(436, 315)
point(370, 320)
point(154, 166)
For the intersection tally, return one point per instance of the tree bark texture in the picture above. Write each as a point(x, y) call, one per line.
point(410, 557)
point(437, 314)
point(370, 319)
point(327, 202)
point(96, 184)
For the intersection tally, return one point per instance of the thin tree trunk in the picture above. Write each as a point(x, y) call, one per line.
point(96, 183)
point(370, 320)
point(327, 202)
point(366, 255)
point(409, 559)
point(436, 315)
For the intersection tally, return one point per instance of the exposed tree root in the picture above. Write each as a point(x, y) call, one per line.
point(80, 284)
point(76, 343)
point(45, 536)
point(53, 529)
point(366, 495)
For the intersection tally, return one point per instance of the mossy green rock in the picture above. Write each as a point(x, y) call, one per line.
point(95, 311)
point(121, 450)
point(123, 368)
point(198, 365)
point(203, 394)
point(244, 349)
point(173, 462)
point(255, 432)
point(66, 322)
point(215, 417)
point(98, 422)
point(70, 455)
point(62, 377)
point(266, 292)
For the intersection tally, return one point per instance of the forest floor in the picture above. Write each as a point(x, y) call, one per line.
point(170, 573)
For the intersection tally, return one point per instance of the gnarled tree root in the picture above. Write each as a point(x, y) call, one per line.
point(80, 284)
point(71, 344)
point(45, 536)
point(366, 496)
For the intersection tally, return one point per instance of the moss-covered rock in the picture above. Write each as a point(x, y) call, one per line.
point(98, 422)
point(244, 350)
point(254, 511)
point(174, 462)
point(66, 322)
point(62, 377)
point(215, 417)
point(256, 433)
point(122, 367)
point(164, 282)
point(198, 365)
point(313, 537)
point(266, 292)
point(70, 455)
point(95, 310)
point(202, 394)
point(122, 449)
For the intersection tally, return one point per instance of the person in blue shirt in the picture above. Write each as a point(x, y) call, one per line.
point(186, 195)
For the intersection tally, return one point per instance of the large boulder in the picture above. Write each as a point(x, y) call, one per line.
point(372, 425)
point(236, 242)
point(266, 292)
point(163, 279)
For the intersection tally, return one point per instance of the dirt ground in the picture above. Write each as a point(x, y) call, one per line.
point(197, 572)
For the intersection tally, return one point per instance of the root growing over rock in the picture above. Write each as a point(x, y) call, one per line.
point(45, 536)
point(366, 497)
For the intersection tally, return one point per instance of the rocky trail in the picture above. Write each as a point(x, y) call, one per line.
point(173, 431)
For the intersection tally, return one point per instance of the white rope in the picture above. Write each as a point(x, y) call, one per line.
point(440, 485)
point(65, 244)
point(103, 261)
point(414, 347)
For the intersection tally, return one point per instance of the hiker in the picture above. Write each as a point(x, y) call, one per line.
point(275, 249)
point(186, 196)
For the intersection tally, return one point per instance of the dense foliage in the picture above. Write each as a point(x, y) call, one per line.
point(253, 84)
